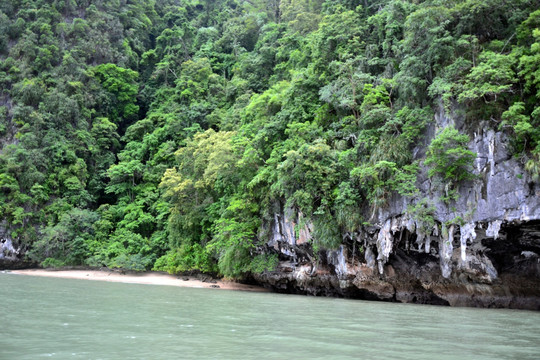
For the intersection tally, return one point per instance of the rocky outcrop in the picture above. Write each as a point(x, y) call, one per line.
point(496, 272)
point(481, 250)
point(11, 255)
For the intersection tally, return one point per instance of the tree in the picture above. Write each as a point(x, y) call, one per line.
point(67, 240)
point(122, 86)
point(449, 159)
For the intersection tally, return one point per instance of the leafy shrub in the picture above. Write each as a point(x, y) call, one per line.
point(135, 262)
point(52, 263)
point(449, 159)
point(185, 258)
point(423, 213)
point(263, 262)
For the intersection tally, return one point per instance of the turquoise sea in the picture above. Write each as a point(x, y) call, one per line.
point(78, 319)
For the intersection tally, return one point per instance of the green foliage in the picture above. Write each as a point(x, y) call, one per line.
point(263, 263)
point(448, 156)
point(524, 118)
point(53, 263)
point(491, 78)
point(423, 213)
point(379, 180)
point(326, 233)
point(449, 159)
point(185, 258)
point(346, 203)
point(166, 134)
point(307, 174)
point(135, 262)
point(233, 240)
point(122, 85)
point(67, 240)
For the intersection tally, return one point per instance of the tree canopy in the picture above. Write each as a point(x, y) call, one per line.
point(162, 134)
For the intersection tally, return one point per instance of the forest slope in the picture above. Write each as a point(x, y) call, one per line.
point(170, 134)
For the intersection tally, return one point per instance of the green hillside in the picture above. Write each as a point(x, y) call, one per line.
point(163, 134)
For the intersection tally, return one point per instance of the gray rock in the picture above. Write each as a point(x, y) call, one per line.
point(486, 255)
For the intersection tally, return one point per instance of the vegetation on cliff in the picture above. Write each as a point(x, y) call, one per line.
point(162, 133)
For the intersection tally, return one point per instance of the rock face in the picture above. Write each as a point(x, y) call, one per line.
point(11, 255)
point(481, 250)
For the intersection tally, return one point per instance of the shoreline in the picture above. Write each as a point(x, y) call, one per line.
point(145, 278)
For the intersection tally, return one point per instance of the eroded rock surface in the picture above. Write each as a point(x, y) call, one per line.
point(483, 249)
point(11, 256)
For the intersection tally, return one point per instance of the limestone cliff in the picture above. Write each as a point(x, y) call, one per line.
point(12, 256)
point(481, 250)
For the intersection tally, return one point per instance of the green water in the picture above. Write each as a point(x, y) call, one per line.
point(78, 319)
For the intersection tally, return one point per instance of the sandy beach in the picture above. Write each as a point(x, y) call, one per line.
point(149, 278)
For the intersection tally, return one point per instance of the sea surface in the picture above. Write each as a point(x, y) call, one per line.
point(78, 319)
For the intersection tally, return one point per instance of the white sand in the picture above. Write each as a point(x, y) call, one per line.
point(151, 278)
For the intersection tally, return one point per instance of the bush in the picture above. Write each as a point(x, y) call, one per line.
point(264, 262)
point(449, 159)
point(52, 263)
point(185, 258)
point(135, 262)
